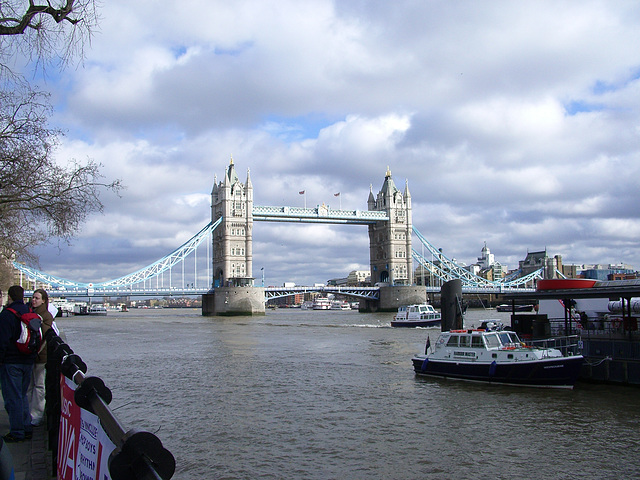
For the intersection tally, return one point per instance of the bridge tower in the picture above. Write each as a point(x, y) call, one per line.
point(233, 239)
point(390, 241)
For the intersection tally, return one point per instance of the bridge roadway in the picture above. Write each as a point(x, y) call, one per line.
point(319, 214)
point(371, 293)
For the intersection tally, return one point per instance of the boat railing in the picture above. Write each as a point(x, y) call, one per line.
point(569, 345)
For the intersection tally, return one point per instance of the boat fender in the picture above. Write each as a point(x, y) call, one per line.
point(424, 365)
point(492, 368)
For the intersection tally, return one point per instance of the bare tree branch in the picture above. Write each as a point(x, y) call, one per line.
point(40, 199)
point(45, 30)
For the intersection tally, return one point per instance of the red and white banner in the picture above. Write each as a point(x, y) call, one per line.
point(83, 446)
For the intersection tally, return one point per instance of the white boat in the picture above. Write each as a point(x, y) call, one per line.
point(80, 309)
point(497, 357)
point(65, 308)
point(338, 305)
point(321, 303)
point(417, 315)
point(97, 309)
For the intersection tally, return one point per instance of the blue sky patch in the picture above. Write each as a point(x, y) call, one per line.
point(580, 106)
point(293, 129)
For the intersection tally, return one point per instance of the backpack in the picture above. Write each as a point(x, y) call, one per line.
point(30, 339)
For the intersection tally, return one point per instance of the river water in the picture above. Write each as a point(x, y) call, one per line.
point(302, 394)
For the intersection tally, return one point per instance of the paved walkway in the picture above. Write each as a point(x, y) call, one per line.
point(31, 459)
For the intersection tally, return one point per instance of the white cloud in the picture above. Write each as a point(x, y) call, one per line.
point(514, 123)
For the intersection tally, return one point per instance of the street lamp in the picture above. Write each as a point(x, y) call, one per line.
point(262, 270)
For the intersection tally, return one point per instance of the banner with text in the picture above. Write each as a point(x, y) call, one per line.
point(83, 446)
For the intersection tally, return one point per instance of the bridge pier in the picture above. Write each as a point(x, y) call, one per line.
point(232, 301)
point(393, 297)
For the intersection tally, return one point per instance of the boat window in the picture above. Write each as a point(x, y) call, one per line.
point(510, 356)
point(476, 341)
point(453, 341)
point(465, 340)
point(492, 340)
point(514, 337)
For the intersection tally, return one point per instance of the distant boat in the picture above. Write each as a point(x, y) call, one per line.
point(417, 315)
point(80, 309)
point(64, 307)
point(338, 305)
point(97, 309)
point(321, 303)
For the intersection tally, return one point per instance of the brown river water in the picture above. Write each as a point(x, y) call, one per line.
point(301, 394)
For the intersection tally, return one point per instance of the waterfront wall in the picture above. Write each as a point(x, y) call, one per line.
point(230, 301)
point(393, 297)
point(611, 361)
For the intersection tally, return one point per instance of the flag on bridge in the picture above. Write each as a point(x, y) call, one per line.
point(301, 192)
point(336, 194)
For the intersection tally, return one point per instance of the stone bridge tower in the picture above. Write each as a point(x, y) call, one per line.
point(390, 241)
point(232, 240)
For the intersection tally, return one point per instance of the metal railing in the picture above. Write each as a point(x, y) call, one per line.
point(605, 326)
point(569, 345)
point(138, 455)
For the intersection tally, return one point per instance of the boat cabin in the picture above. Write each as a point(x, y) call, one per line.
point(481, 345)
point(480, 339)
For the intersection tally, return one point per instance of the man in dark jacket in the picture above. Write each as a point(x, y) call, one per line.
point(15, 369)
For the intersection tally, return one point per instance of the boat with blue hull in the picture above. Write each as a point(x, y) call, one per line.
point(497, 357)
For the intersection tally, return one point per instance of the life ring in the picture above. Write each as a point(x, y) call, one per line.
point(616, 322)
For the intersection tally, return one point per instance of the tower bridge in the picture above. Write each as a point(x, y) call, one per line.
point(226, 282)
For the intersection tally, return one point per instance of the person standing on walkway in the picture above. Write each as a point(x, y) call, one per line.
point(15, 369)
point(35, 393)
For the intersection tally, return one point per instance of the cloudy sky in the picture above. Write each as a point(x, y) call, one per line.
point(514, 123)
